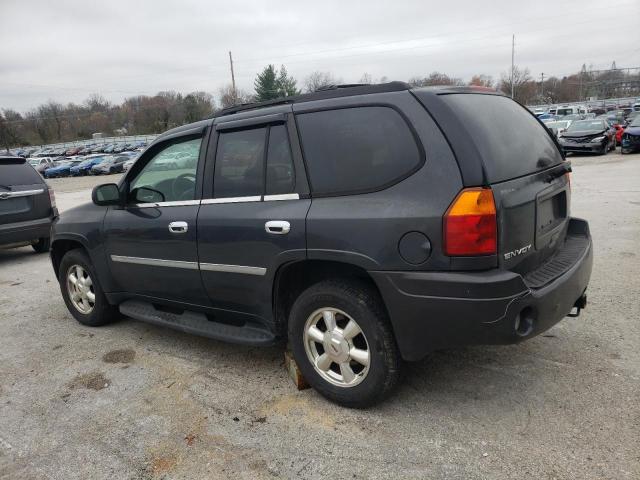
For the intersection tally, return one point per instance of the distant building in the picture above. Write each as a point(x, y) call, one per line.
point(98, 135)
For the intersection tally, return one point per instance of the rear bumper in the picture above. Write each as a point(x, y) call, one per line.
point(435, 310)
point(25, 231)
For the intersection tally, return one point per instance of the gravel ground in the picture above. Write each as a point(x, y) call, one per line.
point(136, 401)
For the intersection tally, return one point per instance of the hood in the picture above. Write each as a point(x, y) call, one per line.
point(583, 134)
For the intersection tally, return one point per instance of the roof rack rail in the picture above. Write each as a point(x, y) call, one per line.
point(329, 91)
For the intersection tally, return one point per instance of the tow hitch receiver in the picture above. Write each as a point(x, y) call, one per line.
point(579, 305)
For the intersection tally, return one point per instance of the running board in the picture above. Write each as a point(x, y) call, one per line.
point(197, 323)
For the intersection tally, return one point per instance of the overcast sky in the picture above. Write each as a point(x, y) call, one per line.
point(66, 50)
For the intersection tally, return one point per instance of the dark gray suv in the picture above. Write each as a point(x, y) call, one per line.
point(27, 206)
point(365, 225)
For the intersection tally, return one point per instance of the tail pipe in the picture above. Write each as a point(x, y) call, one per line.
point(579, 305)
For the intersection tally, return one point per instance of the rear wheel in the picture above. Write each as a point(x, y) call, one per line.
point(342, 341)
point(42, 245)
point(82, 292)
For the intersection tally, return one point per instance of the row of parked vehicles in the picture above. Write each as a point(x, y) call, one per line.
point(588, 132)
point(84, 149)
point(94, 164)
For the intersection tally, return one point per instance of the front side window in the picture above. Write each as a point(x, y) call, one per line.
point(353, 150)
point(239, 167)
point(170, 175)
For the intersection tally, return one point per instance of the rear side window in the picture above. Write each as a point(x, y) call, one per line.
point(280, 174)
point(17, 172)
point(359, 149)
point(511, 141)
point(239, 168)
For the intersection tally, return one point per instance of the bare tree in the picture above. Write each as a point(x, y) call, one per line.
point(523, 85)
point(229, 98)
point(482, 80)
point(317, 80)
point(435, 78)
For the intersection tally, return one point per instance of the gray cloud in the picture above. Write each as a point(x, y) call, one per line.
point(66, 50)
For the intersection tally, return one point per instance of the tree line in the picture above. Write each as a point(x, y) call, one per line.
point(143, 114)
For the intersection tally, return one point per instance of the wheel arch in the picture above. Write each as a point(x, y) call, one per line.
point(61, 245)
point(293, 278)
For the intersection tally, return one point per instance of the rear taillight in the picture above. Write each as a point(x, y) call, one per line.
point(568, 176)
point(52, 197)
point(470, 224)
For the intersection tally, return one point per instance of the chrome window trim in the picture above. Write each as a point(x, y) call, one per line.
point(211, 201)
point(177, 203)
point(283, 196)
point(23, 193)
point(217, 267)
point(155, 262)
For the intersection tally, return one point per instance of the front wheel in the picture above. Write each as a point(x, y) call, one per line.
point(82, 292)
point(341, 339)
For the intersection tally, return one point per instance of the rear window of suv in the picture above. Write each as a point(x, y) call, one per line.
point(511, 141)
point(17, 172)
point(357, 149)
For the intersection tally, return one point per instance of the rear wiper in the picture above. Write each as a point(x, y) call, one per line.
point(566, 168)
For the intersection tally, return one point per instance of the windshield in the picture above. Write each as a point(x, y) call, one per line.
point(564, 111)
point(34, 162)
point(584, 125)
point(636, 122)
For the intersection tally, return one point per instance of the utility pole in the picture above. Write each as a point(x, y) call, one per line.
point(513, 53)
point(233, 80)
point(542, 86)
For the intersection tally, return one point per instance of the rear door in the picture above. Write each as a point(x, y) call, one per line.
point(23, 194)
point(252, 216)
point(524, 167)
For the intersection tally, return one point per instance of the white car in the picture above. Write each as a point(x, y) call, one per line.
point(559, 125)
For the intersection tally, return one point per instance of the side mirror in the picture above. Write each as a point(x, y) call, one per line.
point(107, 194)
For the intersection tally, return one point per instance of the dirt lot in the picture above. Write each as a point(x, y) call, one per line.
point(137, 401)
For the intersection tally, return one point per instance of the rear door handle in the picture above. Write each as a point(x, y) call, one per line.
point(277, 227)
point(178, 227)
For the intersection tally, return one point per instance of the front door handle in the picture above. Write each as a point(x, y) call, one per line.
point(277, 227)
point(178, 227)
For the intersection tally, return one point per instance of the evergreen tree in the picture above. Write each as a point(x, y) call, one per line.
point(266, 84)
point(286, 84)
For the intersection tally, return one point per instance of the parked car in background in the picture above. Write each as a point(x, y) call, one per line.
point(61, 169)
point(589, 136)
point(631, 137)
point(73, 151)
point(559, 126)
point(84, 167)
point(41, 164)
point(27, 206)
point(571, 110)
point(113, 164)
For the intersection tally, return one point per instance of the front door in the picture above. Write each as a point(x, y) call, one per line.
point(253, 219)
point(151, 243)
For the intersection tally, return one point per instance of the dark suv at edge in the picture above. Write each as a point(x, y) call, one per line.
point(27, 206)
point(366, 225)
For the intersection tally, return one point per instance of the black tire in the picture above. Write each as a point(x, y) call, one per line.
point(42, 246)
point(102, 312)
point(363, 304)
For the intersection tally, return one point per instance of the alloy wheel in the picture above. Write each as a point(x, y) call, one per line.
point(80, 289)
point(337, 347)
